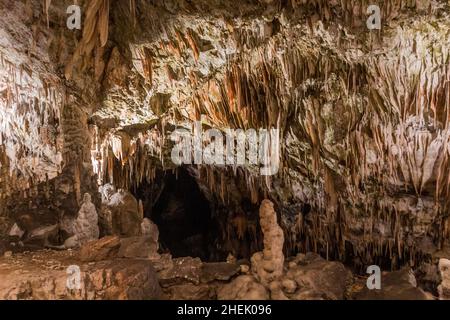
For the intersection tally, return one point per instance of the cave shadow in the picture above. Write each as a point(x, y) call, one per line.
point(183, 216)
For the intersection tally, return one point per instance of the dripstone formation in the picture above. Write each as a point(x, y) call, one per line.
point(88, 118)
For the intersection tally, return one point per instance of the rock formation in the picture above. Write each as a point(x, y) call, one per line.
point(243, 288)
point(444, 270)
point(360, 151)
point(268, 265)
point(44, 276)
point(121, 214)
point(85, 227)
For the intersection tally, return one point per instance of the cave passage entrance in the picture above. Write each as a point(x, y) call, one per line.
point(183, 216)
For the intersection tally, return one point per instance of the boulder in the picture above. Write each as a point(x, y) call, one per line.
point(126, 216)
point(40, 236)
point(138, 247)
point(244, 287)
point(397, 285)
point(315, 278)
point(102, 249)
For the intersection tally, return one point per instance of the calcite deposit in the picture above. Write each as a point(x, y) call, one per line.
point(268, 264)
point(358, 143)
point(86, 225)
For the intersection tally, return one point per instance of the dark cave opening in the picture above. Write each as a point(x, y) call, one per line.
point(192, 223)
point(182, 214)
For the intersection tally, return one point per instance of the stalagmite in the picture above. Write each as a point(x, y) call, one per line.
point(85, 227)
point(268, 264)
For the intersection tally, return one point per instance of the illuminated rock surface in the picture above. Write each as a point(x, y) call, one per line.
point(362, 114)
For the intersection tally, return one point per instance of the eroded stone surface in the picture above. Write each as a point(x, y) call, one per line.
point(43, 275)
point(316, 278)
point(398, 285)
point(125, 217)
point(102, 249)
point(138, 247)
point(444, 271)
point(244, 287)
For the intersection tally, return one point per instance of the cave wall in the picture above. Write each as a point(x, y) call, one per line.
point(45, 141)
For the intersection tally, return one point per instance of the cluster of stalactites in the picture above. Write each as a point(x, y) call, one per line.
point(127, 161)
point(30, 133)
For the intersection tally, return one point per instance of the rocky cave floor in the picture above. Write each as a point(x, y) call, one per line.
point(43, 275)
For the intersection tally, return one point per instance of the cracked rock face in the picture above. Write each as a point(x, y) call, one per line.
point(362, 117)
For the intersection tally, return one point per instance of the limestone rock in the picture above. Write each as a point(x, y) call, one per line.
point(16, 231)
point(106, 192)
point(102, 249)
point(190, 292)
point(244, 287)
point(40, 236)
point(268, 265)
point(222, 271)
point(276, 292)
point(289, 286)
point(164, 262)
point(125, 216)
point(444, 287)
point(316, 278)
point(105, 280)
point(363, 117)
point(183, 270)
point(105, 217)
point(138, 247)
point(105, 221)
point(86, 224)
point(398, 285)
point(148, 228)
point(244, 268)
